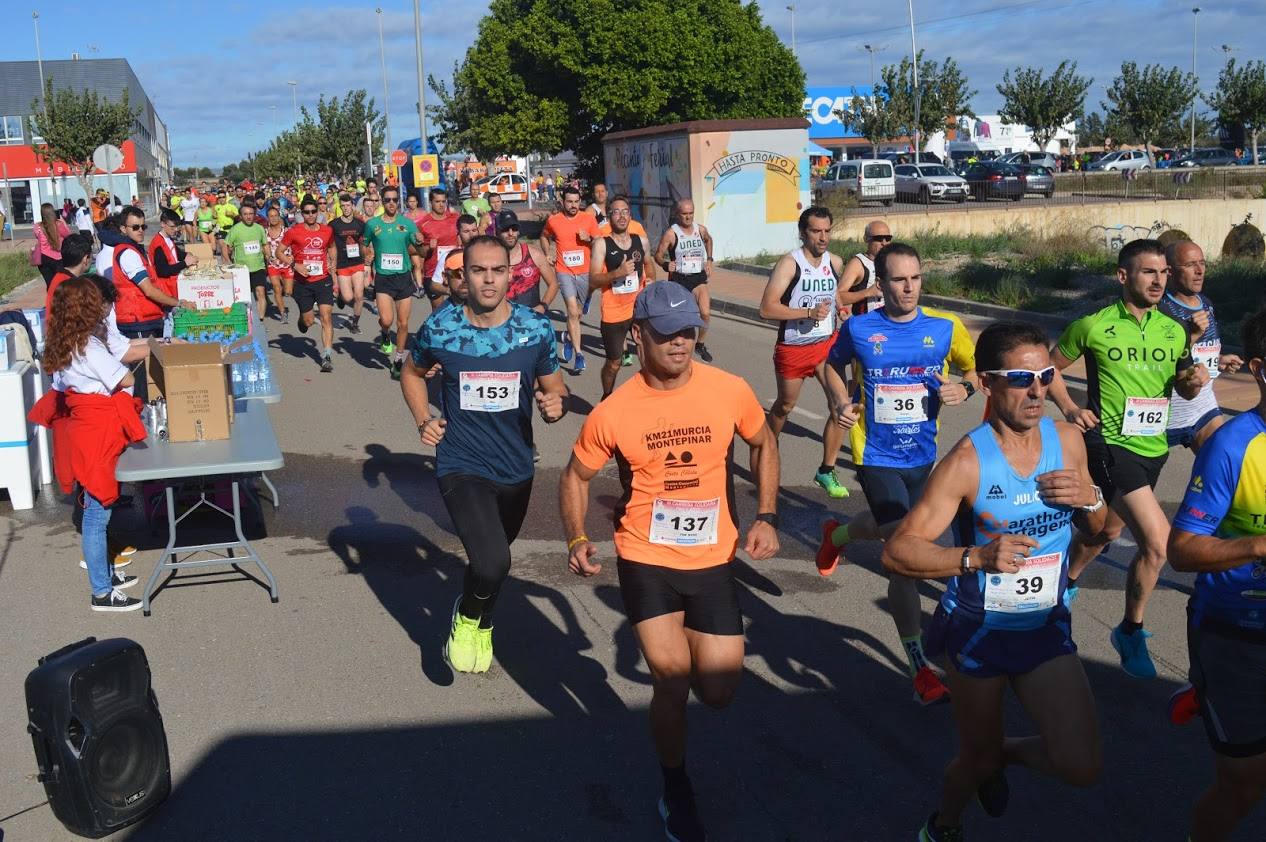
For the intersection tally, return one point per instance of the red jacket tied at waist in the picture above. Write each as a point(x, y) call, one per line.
point(90, 433)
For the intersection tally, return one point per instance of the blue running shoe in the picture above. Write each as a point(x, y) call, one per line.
point(580, 362)
point(1133, 651)
point(584, 311)
point(567, 351)
point(1070, 595)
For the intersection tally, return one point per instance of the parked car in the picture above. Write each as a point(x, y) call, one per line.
point(926, 182)
point(869, 179)
point(1124, 159)
point(992, 180)
point(1213, 156)
point(1045, 159)
point(1038, 179)
point(512, 186)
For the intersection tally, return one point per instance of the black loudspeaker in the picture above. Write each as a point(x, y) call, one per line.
point(98, 735)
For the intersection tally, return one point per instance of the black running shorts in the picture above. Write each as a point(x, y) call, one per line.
point(314, 294)
point(709, 597)
point(1119, 470)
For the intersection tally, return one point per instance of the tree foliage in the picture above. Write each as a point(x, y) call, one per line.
point(1043, 103)
point(548, 75)
point(1240, 99)
point(872, 117)
point(74, 123)
point(943, 94)
point(1146, 102)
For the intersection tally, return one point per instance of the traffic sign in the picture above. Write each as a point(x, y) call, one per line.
point(426, 170)
point(399, 157)
point(107, 158)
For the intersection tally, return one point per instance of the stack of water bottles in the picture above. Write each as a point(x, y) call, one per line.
point(254, 377)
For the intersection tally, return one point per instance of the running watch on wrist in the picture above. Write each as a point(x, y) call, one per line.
point(971, 390)
point(967, 559)
point(769, 517)
point(1098, 504)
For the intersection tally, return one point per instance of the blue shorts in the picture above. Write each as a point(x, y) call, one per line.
point(892, 492)
point(1184, 436)
point(986, 653)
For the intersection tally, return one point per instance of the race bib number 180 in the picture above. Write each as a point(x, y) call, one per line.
point(489, 391)
point(685, 522)
point(574, 258)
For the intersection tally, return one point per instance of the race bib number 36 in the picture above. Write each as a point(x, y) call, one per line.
point(900, 403)
point(685, 522)
point(1033, 588)
point(489, 391)
point(1145, 417)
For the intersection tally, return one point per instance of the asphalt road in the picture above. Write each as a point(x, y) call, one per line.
point(332, 715)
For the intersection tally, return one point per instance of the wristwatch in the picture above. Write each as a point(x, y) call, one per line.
point(971, 390)
point(769, 517)
point(1098, 504)
point(967, 559)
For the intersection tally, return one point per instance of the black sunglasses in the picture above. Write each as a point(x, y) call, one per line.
point(882, 238)
point(138, 227)
point(309, 210)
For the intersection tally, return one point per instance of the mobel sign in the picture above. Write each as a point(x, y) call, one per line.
point(820, 105)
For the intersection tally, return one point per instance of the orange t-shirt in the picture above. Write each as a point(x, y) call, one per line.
point(618, 306)
point(673, 447)
point(635, 227)
point(571, 256)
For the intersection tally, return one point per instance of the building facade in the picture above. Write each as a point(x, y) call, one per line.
point(28, 180)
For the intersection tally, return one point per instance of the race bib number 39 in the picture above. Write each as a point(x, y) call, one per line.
point(574, 258)
point(489, 391)
point(1145, 417)
point(685, 522)
point(392, 262)
point(900, 403)
point(1034, 587)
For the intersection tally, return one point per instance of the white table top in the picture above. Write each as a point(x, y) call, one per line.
point(250, 449)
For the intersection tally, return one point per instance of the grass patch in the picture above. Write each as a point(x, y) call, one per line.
point(15, 270)
point(1235, 287)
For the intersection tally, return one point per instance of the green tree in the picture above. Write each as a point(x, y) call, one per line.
point(548, 75)
point(870, 116)
point(1043, 103)
point(205, 172)
point(1147, 101)
point(1240, 99)
point(337, 135)
point(943, 94)
point(74, 123)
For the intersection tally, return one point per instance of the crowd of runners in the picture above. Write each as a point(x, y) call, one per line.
point(1029, 501)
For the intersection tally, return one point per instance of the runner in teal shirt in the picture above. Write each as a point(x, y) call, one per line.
point(390, 235)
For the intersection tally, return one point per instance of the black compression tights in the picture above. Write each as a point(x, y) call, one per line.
point(488, 516)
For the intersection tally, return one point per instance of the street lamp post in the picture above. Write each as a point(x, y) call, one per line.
point(792, 9)
point(294, 98)
point(386, 102)
point(39, 59)
point(1195, 28)
point(417, 36)
point(871, 50)
point(914, 59)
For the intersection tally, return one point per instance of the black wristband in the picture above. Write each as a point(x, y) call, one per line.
point(971, 390)
point(769, 517)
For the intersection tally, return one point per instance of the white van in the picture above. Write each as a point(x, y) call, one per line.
point(869, 179)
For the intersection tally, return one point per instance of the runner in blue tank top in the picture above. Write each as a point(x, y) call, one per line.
point(1022, 479)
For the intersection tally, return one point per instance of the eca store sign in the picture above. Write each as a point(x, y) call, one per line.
point(820, 105)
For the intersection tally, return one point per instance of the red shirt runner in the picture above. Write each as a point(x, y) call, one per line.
point(311, 250)
point(443, 231)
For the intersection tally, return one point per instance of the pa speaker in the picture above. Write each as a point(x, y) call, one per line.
point(98, 735)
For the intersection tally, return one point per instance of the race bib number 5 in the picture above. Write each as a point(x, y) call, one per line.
point(489, 391)
point(627, 285)
point(900, 403)
point(1034, 587)
point(685, 522)
point(1145, 417)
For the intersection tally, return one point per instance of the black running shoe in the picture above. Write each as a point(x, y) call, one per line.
point(303, 326)
point(118, 580)
point(354, 325)
point(681, 818)
point(115, 600)
point(327, 365)
point(994, 793)
point(703, 352)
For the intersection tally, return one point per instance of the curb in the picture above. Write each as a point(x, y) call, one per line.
point(16, 294)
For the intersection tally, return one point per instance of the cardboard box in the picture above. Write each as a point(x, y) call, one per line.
point(202, 251)
point(241, 282)
point(194, 380)
point(207, 292)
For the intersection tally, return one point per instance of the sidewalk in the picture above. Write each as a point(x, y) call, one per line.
point(738, 294)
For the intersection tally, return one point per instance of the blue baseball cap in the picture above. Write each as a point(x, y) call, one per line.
point(668, 306)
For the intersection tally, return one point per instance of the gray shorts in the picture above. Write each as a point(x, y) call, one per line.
point(573, 286)
point(1229, 674)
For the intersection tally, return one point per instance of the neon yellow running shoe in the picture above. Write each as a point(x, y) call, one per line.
point(462, 649)
point(831, 485)
point(483, 655)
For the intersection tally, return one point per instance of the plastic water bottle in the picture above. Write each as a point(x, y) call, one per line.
point(238, 387)
point(252, 378)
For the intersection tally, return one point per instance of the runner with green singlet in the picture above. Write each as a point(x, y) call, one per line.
point(206, 221)
point(390, 235)
point(1136, 357)
point(247, 241)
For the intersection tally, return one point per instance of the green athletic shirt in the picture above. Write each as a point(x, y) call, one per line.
point(1126, 359)
point(390, 241)
point(238, 238)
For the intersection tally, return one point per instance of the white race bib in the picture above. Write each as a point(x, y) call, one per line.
point(251, 248)
point(812, 329)
point(900, 403)
point(690, 266)
point(1145, 417)
point(391, 262)
point(441, 254)
point(490, 391)
point(1034, 587)
point(1207, 354)
point(353, 249)
point(574, 258)
point(313, 268)
point(628, 285)
point(685, 522)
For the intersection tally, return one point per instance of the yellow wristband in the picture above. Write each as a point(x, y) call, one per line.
point(577, 540)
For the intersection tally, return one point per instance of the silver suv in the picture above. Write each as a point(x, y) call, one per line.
point(1041, 159)
point(925, 182)
point(869, 179)
point(1125, 159)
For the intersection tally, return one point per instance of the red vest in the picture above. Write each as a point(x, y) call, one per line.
point(167, 283)
point(61, 275)
point(133, 305)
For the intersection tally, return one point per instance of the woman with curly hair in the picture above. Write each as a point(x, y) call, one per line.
point(94, 417)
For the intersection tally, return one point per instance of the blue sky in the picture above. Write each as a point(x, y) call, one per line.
point(218, 71)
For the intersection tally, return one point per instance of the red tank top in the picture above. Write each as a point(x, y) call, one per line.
point(524, 275)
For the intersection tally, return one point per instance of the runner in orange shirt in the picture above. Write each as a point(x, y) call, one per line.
point(571, 232)
point(671, 428)
point(618, 267)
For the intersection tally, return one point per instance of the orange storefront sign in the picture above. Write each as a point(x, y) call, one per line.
point(22, 162)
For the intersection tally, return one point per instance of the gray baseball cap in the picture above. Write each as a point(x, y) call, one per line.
point(668, 306)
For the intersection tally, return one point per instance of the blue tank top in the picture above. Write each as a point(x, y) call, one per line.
point(1007, 503)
